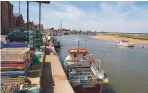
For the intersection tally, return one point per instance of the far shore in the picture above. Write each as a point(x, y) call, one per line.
point(117, 39)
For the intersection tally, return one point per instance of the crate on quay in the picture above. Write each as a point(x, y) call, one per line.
point(15, 65)
point(14, 54)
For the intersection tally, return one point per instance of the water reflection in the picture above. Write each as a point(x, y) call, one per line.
point(123, 47)
point(108, 88)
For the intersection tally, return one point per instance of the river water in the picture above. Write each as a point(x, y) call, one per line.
point(127, 68)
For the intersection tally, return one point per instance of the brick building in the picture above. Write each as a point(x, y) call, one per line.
point(18, 20)
point(41, 26)
point(6, 16)
point(30, 24)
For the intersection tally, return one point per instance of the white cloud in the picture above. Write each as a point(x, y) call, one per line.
point(74, 12)
point(111, 16)
point(69, 11)
point(123, 21)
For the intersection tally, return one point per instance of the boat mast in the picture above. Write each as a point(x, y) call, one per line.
point(85, 43)
point(78, 50)
point(78, 45)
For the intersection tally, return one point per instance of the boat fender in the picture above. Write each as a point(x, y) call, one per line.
point(106, 80)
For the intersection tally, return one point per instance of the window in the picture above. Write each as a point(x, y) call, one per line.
point(75, 55)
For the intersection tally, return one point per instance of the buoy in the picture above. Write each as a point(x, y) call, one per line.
point(106, 80)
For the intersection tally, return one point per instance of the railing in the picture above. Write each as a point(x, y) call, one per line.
point(95, 67)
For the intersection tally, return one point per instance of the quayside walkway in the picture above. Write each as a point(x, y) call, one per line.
point(54, 79)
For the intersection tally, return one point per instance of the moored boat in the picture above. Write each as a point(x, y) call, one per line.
point(56, 43)
point(83, 71)
point(125, 43)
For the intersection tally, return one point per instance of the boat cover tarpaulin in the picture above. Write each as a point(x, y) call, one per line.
point(15, 44)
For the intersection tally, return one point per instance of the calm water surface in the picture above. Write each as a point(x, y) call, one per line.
point(127, 68)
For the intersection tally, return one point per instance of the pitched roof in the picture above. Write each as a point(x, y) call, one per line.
point(16, 14)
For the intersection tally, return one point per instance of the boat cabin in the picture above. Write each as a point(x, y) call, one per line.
point(124, 41)
point(82, 69)
point(79, 57)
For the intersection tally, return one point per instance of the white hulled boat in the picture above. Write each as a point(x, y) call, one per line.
point(125, 43)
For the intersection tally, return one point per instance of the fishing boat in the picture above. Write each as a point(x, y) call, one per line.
point(83, 71)
point(56, 43)
point(125, 43)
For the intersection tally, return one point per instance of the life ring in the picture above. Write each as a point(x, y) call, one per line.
point(75, 59)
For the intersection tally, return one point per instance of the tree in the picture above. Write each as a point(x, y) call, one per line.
point(52, 28)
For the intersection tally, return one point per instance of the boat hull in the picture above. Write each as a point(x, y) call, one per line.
point(126, 45)
point(96, 89)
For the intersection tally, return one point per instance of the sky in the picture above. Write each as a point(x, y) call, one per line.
point(104, 16)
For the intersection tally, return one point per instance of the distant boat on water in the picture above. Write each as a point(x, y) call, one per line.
point(125, 43)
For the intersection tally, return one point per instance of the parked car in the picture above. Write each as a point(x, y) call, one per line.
point(16, 36)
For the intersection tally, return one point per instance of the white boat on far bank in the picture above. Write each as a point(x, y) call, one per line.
point(125, 43)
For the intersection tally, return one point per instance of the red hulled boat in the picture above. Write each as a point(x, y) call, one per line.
point(83, 71)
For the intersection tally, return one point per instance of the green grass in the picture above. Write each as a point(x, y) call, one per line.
point(141, 36)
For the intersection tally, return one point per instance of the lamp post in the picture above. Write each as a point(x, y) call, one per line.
point(45, 2)
point(39, 15)
point(40, 2)
point(44, 57)
point(27, 14)
point(19, 15)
